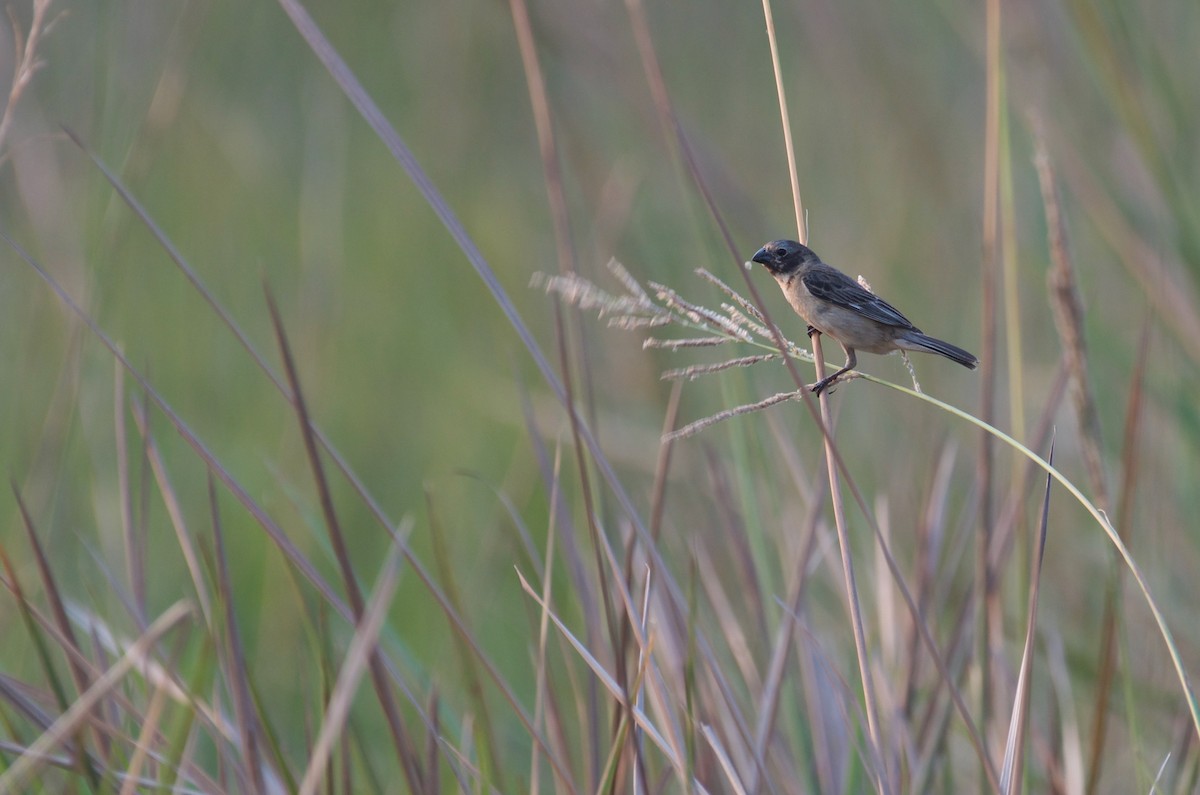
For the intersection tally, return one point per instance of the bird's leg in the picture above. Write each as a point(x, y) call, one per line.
point(812, 330)
point(851, 361)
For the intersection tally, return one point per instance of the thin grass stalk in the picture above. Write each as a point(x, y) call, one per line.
point(934, 724)
point(589, 708)
point(274, 766)
point(870, 704)
point(35, 625)
point(1067, 307)
point(487, 734)
point(234, 655)
point(359, 657)
point(555, 194)
point(793, 174)
point(640, 781)
point(135, 565)
point(984, 576)
point(432, 739)
point(401, 740)
point(659, 694)
point(180, 734)
point(547, 574)
point(1010, 512)
point(691, 722)
point(929, 548)
point(1069, 768)
point(741, 557)
point(1011, 774)
point(1015, 375)
point(1068, 316)
point(610, 773)
point(79, 675)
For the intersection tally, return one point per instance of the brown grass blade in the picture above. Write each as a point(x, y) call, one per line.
point(234, 655)
point(487, 734)
point(359, 658)
point(79, 676)
point(405, 748)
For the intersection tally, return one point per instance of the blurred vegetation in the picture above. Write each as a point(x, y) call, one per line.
point(246, 154)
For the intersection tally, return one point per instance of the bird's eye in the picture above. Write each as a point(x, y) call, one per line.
point(782, 251)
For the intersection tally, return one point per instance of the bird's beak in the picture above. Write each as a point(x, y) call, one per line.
point(762, 256)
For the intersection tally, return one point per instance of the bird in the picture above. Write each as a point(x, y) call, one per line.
point(835, 305)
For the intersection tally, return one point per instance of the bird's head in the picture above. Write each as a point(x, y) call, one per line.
point(784, 256)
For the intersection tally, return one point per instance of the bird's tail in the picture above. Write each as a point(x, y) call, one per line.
point(916, 341)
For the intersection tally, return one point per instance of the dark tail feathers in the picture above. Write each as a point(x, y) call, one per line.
point(916, 341)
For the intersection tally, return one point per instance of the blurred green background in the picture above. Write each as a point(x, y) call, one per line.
point(226, 128)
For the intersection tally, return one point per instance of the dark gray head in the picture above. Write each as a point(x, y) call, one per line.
point(781, 257)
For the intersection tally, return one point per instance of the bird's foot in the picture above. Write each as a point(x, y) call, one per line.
point(829, 382)
point(823, 385)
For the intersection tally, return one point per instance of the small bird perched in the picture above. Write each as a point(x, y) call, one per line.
point(833, 304)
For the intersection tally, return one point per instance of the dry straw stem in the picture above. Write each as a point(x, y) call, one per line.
point(872, 710)
point(853, 602)
point(987, 600)
point(789, 148)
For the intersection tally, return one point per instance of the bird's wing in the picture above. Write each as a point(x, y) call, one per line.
point(838, 288)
